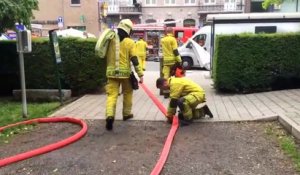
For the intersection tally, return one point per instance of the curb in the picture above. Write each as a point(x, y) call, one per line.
point(289, 125)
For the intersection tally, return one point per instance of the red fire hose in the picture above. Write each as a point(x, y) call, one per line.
point(156, 170)
point(46, 148)
point(166, 149)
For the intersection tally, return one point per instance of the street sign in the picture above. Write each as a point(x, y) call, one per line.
point(20, 27)
point(60, 22)
point(54, 40)
point(56, 54)
point(60, 19)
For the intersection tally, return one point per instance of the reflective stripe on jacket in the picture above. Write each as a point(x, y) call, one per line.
point(127, 51)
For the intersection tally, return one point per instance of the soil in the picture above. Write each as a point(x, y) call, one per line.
point(133, 147)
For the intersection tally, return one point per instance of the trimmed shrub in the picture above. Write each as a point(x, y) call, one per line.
point(256, 62)
point(80, 69)
point(9, 67)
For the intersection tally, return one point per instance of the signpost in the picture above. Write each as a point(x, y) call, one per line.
point(23, 46)
point(57, 59)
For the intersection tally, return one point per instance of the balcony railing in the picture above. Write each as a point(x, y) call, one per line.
point(124, 10)
point(221, 8)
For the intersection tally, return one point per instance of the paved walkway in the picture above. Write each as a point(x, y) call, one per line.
point(283, 105)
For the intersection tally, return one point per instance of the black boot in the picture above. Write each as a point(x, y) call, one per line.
point(109, 123)
point(127, 117)
point(207, 111)
point(183, 121)
point(166, 95)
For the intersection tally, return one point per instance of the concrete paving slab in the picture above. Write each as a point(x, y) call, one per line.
point(283, 105)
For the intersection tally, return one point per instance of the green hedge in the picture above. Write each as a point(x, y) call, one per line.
point(9, 67)
point(256, 62)
point(80, 69)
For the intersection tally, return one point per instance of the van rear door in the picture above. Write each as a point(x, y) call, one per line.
point(203, 57)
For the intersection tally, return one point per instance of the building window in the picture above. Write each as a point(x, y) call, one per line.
point(150, 21)
point(75, 2)
point(172, 24)
point(150, 2)
point(170, 2)
point(209, 1)
point(189, 23)
point(190, 1)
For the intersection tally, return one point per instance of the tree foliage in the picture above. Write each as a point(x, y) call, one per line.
point(16, 11)
point(267, 3)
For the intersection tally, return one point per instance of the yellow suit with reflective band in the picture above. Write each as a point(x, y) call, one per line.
point(190, 91)
point(118, 73)
point(141, 49)
point(169, 44)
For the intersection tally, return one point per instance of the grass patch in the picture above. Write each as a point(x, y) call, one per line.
point(11, 112)
point(286, 142)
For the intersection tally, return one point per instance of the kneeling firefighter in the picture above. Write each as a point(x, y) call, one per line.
point(121, 52)
point(184, 94)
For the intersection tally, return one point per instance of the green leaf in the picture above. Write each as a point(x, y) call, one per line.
point(16, 11)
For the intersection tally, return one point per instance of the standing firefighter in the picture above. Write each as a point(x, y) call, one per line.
point(186, 95)
point(170, 54)
point(121, 51)
point(141, 50)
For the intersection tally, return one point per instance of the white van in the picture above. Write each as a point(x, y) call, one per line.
point(194, 55)
point(195, 52)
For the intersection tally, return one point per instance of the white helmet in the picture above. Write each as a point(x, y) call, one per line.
point(126, 25)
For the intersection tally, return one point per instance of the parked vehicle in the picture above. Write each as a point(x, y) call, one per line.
point(152, 35)
point(199, 49)
point(182, 34)
point(4, 37)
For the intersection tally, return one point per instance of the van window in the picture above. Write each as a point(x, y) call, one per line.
point(265, 29)
point(200, 39)
point(179, 34)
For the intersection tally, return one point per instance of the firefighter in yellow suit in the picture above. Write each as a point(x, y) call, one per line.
point(170, 54)
point(121, 53)
point(185, 94)
point(141, 49)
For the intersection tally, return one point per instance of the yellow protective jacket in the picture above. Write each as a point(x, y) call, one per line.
point(141, 47)
point(181, 86)
point(169, 44)
point(121, 68)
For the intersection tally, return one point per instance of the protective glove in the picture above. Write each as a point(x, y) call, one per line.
point(141, 80)
point(170, 118)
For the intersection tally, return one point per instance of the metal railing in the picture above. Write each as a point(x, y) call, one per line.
point(122, 9)
point(221, 8)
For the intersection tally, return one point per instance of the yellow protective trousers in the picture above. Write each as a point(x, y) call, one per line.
point(112, 92)
point(142, 61)
point(190, 103)
point(166, 71)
